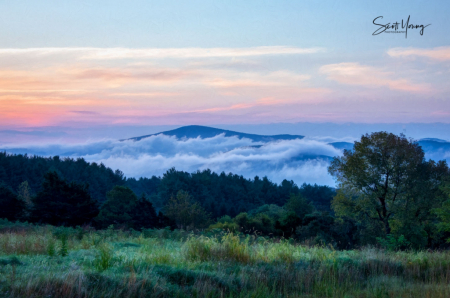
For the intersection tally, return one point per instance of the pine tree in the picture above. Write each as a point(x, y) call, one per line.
point(118, 209)
point(11, 207)
point(60, 203)
point(144, 215)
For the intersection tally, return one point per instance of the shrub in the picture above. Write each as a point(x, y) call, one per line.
point(392, 243)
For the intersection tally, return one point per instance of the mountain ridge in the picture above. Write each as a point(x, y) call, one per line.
point(204, 132)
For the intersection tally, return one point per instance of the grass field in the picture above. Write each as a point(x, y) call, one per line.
point(62, 262)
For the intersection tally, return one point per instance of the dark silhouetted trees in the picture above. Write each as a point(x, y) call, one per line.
point(11, 207)
point(124, 210)
point(62, 203)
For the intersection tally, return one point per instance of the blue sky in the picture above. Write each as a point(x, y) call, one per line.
point(345, 26)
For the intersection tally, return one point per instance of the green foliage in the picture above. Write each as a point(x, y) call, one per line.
point(226, 226)
point(299, 205)
point(386, 185)
point(320, 196)
point(393, 243)
point(225, 194)
point(63, 250)
point(124, 210)
point(186, 213)
point(51, 248)
point(104, 258)
point(318, 228)
point(15, 169)
point(288, 224)
point(273, 211)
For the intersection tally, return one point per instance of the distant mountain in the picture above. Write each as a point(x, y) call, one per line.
point(194, 131)
point(435, 149)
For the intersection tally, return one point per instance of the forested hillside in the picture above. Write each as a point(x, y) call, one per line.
point(15, 169)
point(220, 194)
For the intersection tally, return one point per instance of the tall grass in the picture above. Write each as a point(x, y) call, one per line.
point(175, 264)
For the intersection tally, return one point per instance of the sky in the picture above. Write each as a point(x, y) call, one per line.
point(91, 64)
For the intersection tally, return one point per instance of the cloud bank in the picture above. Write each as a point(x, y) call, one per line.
point(298, 160)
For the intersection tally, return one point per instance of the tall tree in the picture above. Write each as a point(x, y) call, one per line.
point(62, 203)
point(124, 209)
point(385, 179)
point(145, 214)
point(186, 213)
point(118, 209)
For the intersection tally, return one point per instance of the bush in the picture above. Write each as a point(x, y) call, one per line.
point(393, 244)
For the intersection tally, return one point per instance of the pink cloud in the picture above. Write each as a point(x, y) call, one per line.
point(439, 53)
point(368, 76)
point(114, 74)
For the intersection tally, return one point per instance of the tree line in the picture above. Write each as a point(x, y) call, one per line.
point(220, 194)
point(66, 191)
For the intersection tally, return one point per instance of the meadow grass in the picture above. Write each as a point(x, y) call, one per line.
point(163, 263)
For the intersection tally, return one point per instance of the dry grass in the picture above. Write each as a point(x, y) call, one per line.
point(123, 264)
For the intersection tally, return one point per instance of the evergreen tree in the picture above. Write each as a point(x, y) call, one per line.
point(118, 209)
point(144, 215)
point(62, 203)
point(124, 209)
point(186, 213)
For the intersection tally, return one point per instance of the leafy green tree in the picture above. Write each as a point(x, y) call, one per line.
point(288, 224)
point(385, 183)
point(11, 206)
point(443, 211)
point(119, 208)
point(299, 205)
point(317, 227)
point(186, 213)
point(62, 203)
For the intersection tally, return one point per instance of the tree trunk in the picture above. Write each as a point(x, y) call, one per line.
point(387, 227)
